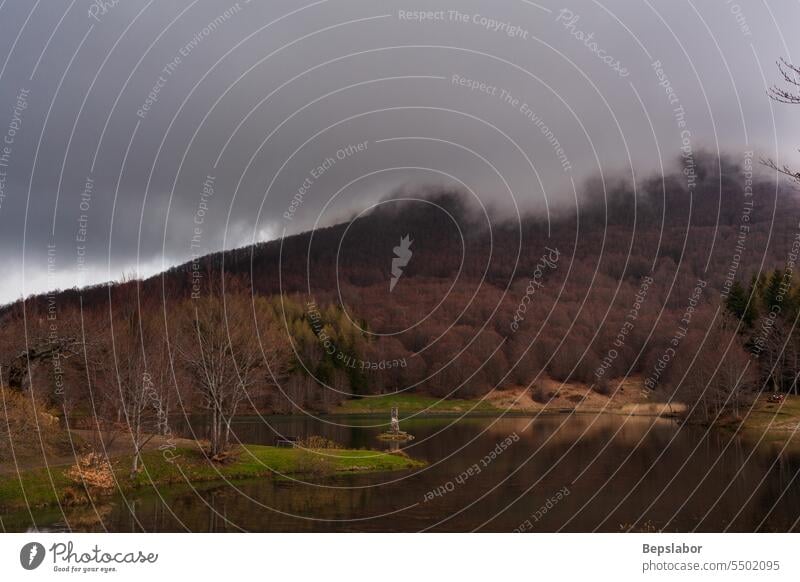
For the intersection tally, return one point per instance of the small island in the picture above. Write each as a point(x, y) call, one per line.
point(94, 476)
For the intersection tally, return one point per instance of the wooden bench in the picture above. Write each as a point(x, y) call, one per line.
point(287, 442)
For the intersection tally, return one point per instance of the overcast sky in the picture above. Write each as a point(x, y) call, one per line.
point(140, 132)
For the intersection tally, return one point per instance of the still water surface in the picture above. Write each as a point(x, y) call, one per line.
point(562, 473)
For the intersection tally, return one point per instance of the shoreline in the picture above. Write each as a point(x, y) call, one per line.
point(45, 486)
point(517, 401)
point(490, 413)
point(37, 485)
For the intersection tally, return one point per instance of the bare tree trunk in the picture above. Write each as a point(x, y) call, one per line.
point(135, 464)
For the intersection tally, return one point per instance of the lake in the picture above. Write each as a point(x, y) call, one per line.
point(565, 472)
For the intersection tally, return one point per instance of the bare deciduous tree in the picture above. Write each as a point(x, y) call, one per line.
point(788, 93)
point(227, 357)
point(136, 398)
point(717, 377)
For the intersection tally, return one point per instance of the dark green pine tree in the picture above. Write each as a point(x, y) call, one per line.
point(789, 303)
point(771, 296)
point(758, 283)
point(741, 305)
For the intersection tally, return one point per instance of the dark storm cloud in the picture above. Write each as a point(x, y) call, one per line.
point(145, 132)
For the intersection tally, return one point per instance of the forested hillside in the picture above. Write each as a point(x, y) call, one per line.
point(676, 274)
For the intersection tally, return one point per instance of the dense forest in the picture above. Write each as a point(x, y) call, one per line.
point(686, 280)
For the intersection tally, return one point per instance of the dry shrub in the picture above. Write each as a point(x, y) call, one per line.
point(25, 430)
point(318, 442)
point(540, 394)
point(313, 464)
point(72, 496)
point(602, 387)
point(92, 471)
point(224, 458)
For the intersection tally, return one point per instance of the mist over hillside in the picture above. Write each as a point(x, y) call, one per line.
point(477, 303)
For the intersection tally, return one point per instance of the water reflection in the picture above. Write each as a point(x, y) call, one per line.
point(619, 472)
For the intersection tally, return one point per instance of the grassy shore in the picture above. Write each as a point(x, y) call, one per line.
point(40, 487)
point(408, 403)
point(780, 419)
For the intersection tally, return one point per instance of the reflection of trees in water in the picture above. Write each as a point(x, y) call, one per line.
point(561, 429)
point(255, 430)
point(670, 475)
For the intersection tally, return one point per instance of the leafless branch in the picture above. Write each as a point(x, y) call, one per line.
point(791, 76)
point(783, 169)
